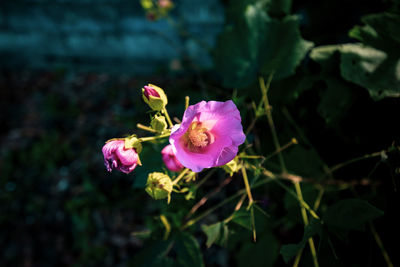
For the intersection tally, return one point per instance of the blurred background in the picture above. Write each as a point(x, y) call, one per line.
point(71, 74)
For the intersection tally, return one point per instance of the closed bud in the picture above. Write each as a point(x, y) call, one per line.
point(159, 123)
point(159, 186)
point(155, 97)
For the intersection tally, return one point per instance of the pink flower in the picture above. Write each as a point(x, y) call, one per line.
point(117, 157)
point(209, 135)
point(150, 91)
point(170, 160)
point(154, 96)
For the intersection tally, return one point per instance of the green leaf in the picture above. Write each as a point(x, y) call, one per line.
point(278, 7)
point(242, 217)
point(255, 43)
point(188, 250)
point(328, 56)
point(153, 254)
point(335, 101)
point(381, 31)
point(376, 70)
point(290, 250)
point(351, 214)
point(377, 65)
point(284, 48)
point(304, 161)
point(262, 253)
point(216, 233)
point(372, 69)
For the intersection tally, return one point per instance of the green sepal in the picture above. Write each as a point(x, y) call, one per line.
point(156, 103)
point(159, 186)
point(133, 142)
point(159, 123)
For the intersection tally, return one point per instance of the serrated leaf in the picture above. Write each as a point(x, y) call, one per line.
point(381, 31)
point(188, 251)
point(290, 250)
point(372, 69)
point(216, 233)
point(351, 214)
point(375, 66)
point(255, 42)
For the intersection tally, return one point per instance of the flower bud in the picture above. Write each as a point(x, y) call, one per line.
point(155, 97)
point(170, 160)
point(159, 123)
point(159, 186)
point(116, 156)
point(231, 167)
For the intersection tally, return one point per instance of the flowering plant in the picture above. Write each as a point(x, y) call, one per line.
point(208, 136)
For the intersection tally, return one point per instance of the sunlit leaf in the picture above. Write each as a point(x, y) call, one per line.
point(255, 43)
point(376, 67)
point(216, 233)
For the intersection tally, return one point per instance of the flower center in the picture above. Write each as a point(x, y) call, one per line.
point(197, 137)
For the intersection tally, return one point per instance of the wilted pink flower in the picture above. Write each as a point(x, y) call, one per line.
point(170, 159)
point(117, 157)
point(208, 136)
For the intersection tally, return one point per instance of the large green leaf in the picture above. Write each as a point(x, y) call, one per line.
point(375, 66)
point(188, 251)
point(381, 31)
point(256, 43)
point(351, 214)
point(373, 69)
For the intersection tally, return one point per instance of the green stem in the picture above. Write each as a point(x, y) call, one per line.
point(222, 203)
point(180, 176)
point(247, 186)
point(167, 117)
point(379, 242)
point(305, 221)
point(151, 138)
point(287, 145)
point(264, 90)
point(367, 156)
point(146, 128)
point(250, 157)
point(301, 201)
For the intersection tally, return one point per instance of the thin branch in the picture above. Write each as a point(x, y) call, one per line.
point(264, 90)
point(204, 199)
point(367, 156)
